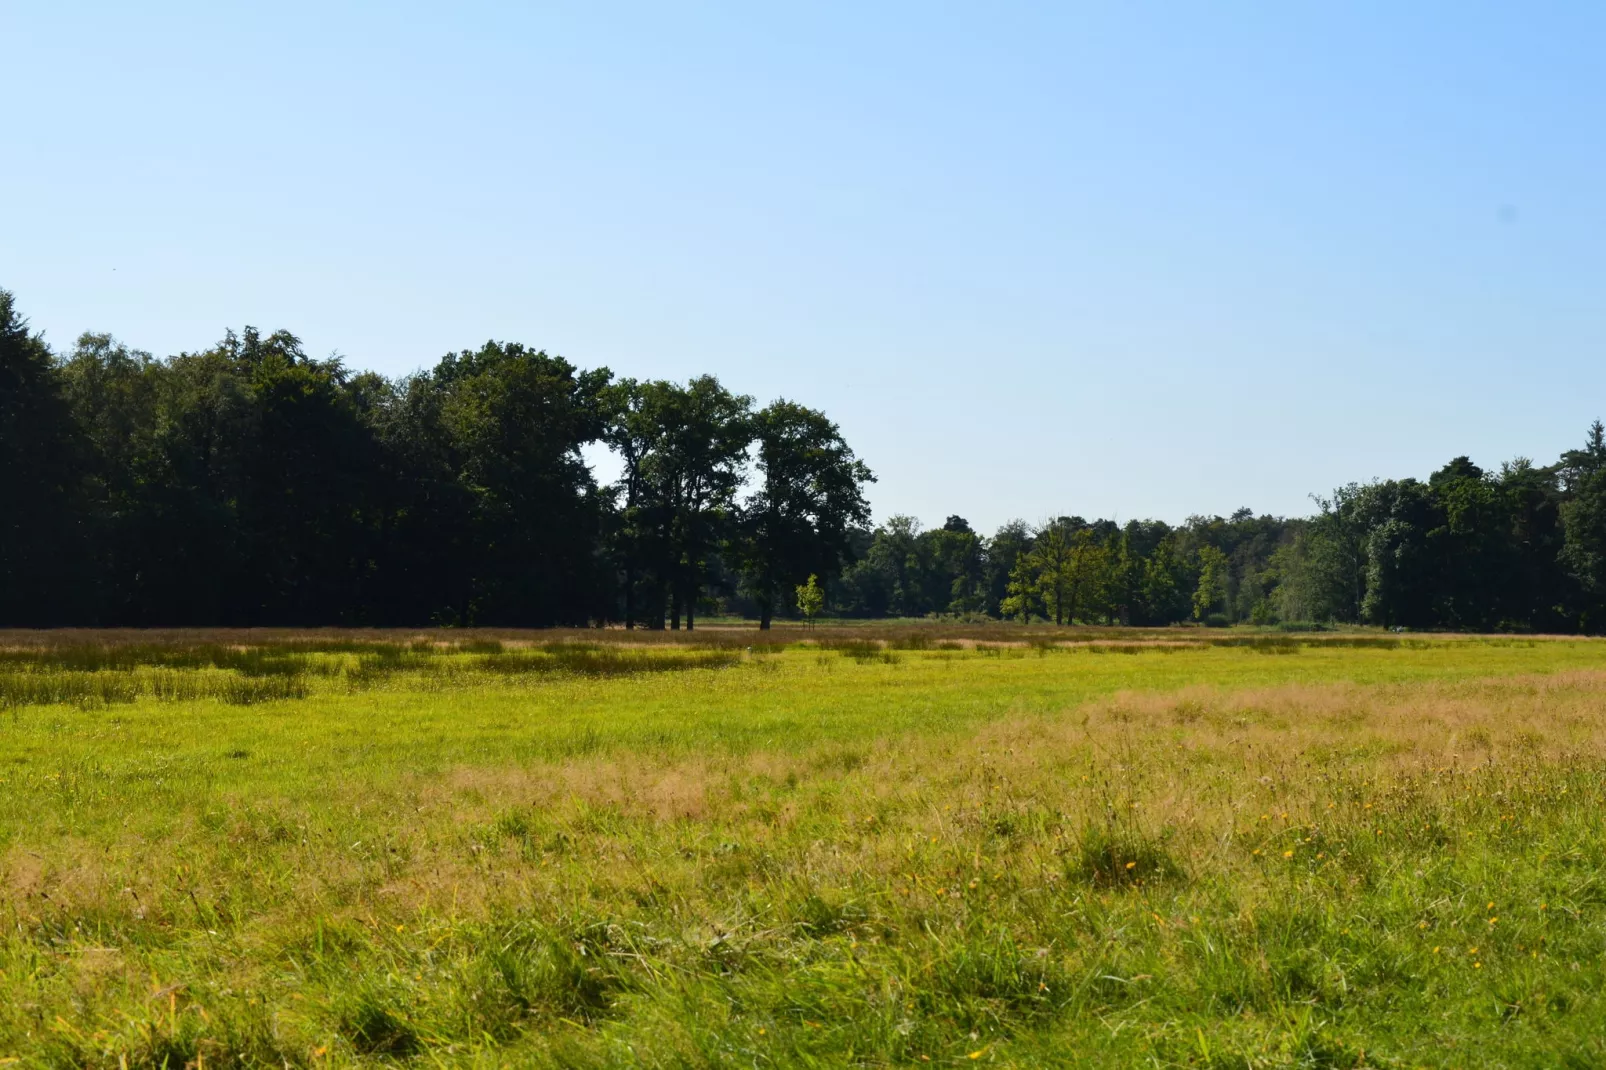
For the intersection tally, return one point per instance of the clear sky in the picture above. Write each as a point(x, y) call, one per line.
point(1115, 259)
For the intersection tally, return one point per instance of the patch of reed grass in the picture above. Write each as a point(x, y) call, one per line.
point(106, 687)
point(85, 690)
point(589, 659)
point(863, 651)
point(282, 660)
point(1266, 644)
point(247, 690)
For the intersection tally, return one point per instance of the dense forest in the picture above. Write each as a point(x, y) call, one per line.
point(251, 484)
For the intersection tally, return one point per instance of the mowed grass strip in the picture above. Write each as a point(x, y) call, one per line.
point(869, 851)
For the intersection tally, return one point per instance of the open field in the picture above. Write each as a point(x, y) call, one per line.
point(912, 846)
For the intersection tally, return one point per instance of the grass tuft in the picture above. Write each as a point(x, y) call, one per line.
point(376, 1026)
point(1120, 856)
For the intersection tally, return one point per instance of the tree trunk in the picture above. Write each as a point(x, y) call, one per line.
point(691, 603)
point(630, 599)
point(674, 609)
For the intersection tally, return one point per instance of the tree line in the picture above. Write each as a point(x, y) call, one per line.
point(1522, 548)
point(251, 484)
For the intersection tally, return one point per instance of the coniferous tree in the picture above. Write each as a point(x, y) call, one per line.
point(40, 475)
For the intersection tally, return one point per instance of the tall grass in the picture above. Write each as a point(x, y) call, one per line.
point(585, 851)
point(92, 675)
point(106, 687)
point(595, 659)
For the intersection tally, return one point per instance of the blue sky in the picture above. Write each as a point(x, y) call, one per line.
point(1112, 260)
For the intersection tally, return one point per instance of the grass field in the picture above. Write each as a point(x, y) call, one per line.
point(910, 846)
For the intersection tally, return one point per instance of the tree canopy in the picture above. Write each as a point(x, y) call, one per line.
point(249, 483)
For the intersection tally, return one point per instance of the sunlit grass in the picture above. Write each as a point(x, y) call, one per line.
point(846, 847)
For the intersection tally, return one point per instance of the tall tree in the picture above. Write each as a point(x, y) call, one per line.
point(1126, 574)
point(958, 560)
point(1339, 534)
point(809, 499)
point(429, 548)
point(1402, 575)
point(633, 429)
point(114, 393)
point(516, 419)
point(1475, 547)
point(1024, 594)
point(1210, 595)
point(1053, 557)
point(1165, 597)
point(308, 509)
point(893, 577)
point(1583, 519)
point(1091, 573)
point(40, 474)
point(698, 472)
point(1007, 546)
point(1540, 590)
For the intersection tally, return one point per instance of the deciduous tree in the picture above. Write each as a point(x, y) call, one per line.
point(809, 499)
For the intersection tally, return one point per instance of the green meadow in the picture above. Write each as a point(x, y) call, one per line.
point(893, 846)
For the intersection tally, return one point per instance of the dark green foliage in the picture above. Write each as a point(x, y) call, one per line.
point(896, 575)
point(249, 464)
point(683, 451)
point(811, 494)
point(251, 484)
point(1521, 549)
point(1583, 517)
point(512, 421)
point(40, 493)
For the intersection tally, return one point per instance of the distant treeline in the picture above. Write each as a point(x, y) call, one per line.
point(250, 484)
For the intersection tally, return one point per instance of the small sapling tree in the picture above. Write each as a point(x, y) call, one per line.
point(810, 599)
